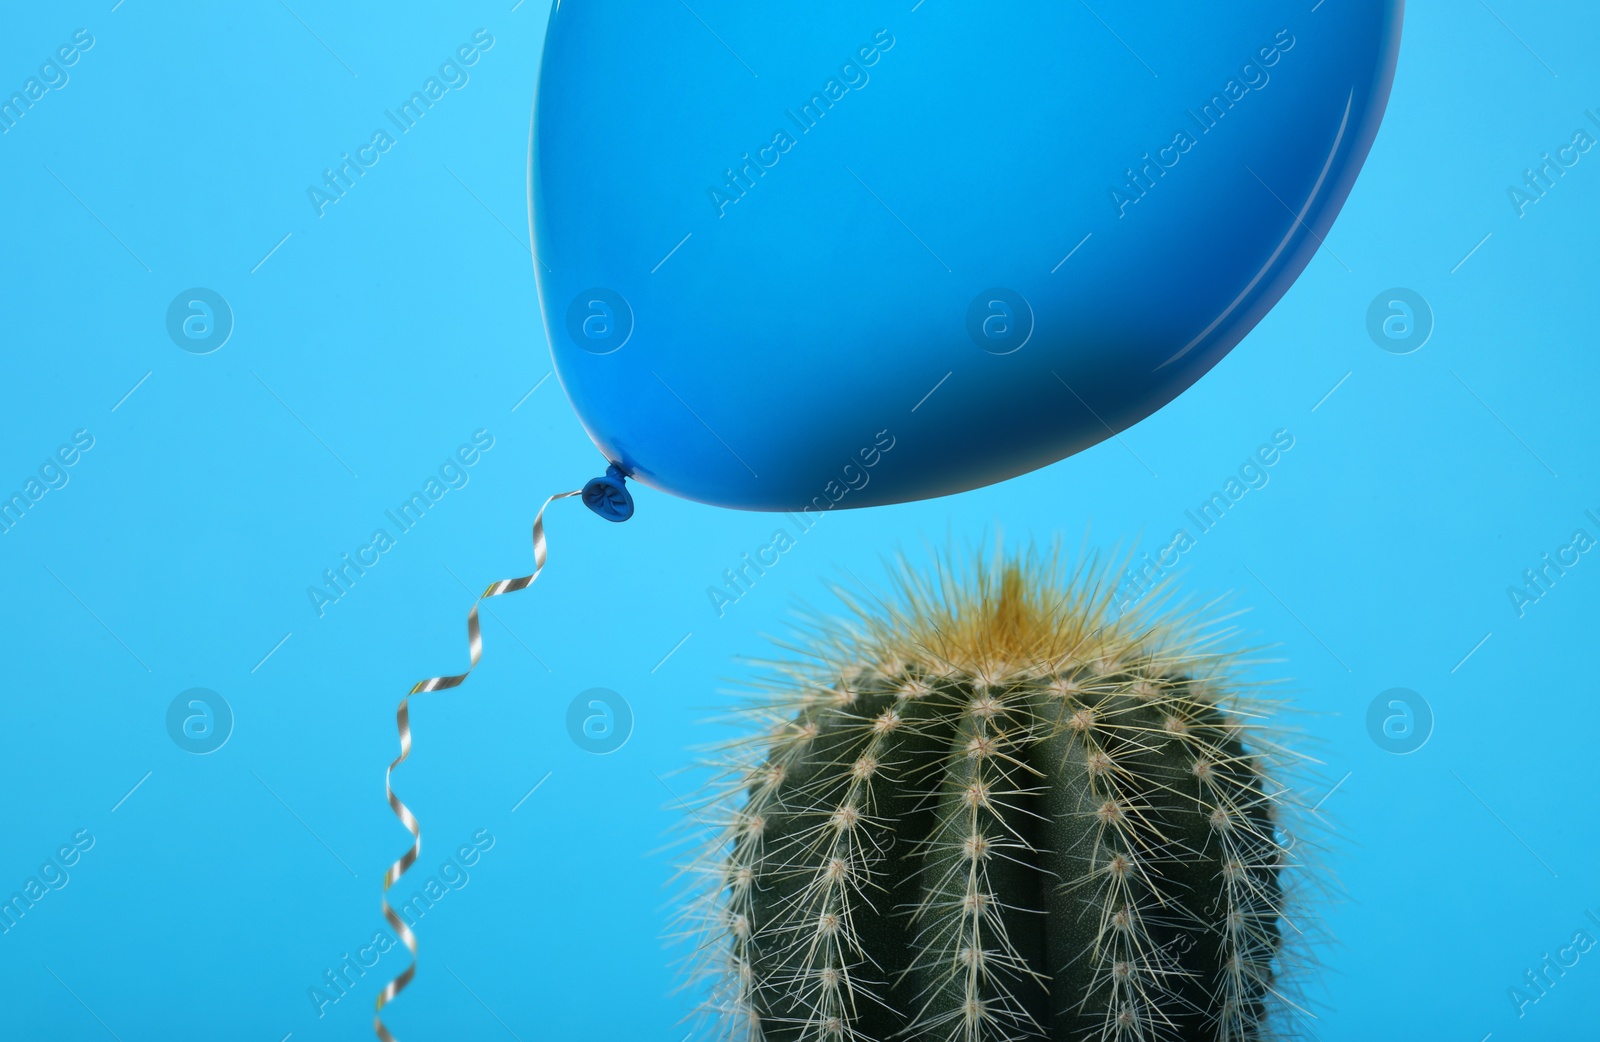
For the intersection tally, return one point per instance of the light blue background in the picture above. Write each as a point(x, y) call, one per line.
point(179, 553)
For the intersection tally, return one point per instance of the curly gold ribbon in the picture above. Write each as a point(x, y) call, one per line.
point(402, 719)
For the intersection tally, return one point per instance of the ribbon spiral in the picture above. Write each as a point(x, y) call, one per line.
point(402, 720)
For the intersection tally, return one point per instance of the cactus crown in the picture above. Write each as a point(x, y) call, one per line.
point(993, 808)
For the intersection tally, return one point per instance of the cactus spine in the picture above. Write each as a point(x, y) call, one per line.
point(997, 810)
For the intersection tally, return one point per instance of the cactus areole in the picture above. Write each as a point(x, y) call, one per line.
point(999, 810)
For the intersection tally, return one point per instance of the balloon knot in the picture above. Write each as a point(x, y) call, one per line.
point(608, 495)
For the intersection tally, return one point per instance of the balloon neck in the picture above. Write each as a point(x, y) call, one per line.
point(608, 495)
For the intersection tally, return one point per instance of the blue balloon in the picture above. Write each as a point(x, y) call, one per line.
point(855, 253)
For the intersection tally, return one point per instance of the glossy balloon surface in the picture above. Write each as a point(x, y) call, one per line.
point(855, 253)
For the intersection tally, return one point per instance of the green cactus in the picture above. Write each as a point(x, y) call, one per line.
point(998, 809)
